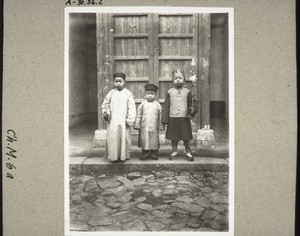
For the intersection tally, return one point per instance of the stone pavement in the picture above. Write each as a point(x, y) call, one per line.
point(150, 201)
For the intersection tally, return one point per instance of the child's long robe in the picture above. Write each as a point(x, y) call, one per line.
point(148, 120)
point(120, 106)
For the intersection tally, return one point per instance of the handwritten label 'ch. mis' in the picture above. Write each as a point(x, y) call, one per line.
point(11, 138)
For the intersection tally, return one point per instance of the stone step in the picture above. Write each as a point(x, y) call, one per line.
point(99, 165)
point(165, 150)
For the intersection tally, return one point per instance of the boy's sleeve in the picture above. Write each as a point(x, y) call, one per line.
point(166, 110)
point(106, 104)
point(193, 106)
point(131, 110)
point(137, 123)
point(160, 125)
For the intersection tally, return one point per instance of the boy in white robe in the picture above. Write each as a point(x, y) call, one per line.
point(119, 110)
point(148, 122)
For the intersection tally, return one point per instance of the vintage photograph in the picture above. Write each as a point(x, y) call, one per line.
point(149, 143)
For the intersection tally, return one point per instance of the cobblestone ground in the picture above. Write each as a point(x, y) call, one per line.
point(156, 201)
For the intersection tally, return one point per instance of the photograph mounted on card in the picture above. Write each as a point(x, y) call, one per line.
point(149, 118)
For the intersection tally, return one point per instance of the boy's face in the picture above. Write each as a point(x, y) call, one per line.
point(119, 83)
point(178, 80)
point(150, 95)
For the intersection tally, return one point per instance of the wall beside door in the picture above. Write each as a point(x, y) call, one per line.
point(218, 66)
point(82, 67)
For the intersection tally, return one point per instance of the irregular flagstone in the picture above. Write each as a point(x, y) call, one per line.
point(127, 206)
point(184, 198)
point(147, 217)
point(188, 207)
point(76, 198)
point(135, 225)
point(124, 180)
point(144, 206)
point(155, 226)
point(107, 228)
point(206, 189)
point(204, 229)
point(183, 189)
point(126, 197)
point(162, 207)
point(168, 178)
point(194, 223)
point(209, 214)
point(171, 186)
point(119, 213)
point(139, 181)
point(146, 190)
point(160, 214)
point(196, 214)
point(177, 226)
point(102, 207)
point(220, 220)
point(165, 221)
point(90, 186)
point(108, 183)
point(133, 175)
point(140, 199)
point(125, 218)
point(200, 184)
point(113, 204)
point(86, 178)
point(182, 178)
point(177, 211)
point(221, 199)
point(116, 191)
point(157, 192)
point(170, 191)
point(203, 201)
point(99, 220)
point(218, 208)
point(167, 173)
point(79, 226)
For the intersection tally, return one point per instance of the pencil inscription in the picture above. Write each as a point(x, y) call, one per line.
point(83, 2)
point(11, 138)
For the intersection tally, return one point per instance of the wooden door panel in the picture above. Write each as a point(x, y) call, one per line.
point(175, 24)
point(131, 47)
point(134, 70)
point(131, 24)
point(176, 47)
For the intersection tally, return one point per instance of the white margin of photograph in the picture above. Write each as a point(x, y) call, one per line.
point(149, 9)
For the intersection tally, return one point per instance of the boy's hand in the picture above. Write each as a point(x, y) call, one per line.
point(161, 127)
point(106, 117)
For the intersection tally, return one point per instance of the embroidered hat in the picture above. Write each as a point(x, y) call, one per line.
point(178, 72)
point(122, 75)
point(152, 87)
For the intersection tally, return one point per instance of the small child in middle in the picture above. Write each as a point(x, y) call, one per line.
point(148, 122)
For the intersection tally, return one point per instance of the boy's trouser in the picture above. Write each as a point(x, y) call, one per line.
point(187, 145)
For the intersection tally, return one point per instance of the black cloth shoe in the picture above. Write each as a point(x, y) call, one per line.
point(154, 154)
point(145, 154)
point(190, 157)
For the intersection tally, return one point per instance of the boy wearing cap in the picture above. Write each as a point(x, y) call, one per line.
point(176, 113)
point(119, 110)
point(148, 122)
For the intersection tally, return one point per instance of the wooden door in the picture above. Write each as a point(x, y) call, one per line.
point(147, 48)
